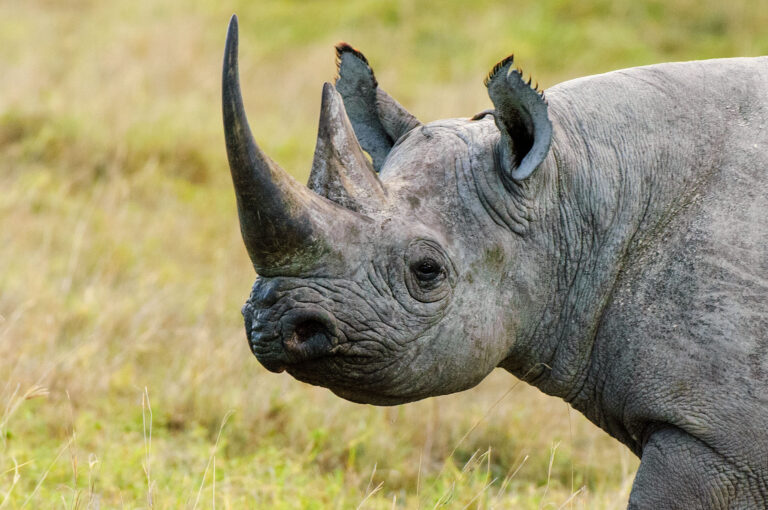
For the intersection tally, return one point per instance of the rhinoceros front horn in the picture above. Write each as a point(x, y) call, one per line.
point(285, 226)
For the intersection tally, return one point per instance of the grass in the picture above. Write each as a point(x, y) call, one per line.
point(125, 378)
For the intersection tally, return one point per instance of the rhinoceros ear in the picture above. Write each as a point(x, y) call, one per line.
point(521, 116)
point(378, 120)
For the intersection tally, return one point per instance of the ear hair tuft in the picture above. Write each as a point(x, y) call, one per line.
point(342, 48)
point(498, 67)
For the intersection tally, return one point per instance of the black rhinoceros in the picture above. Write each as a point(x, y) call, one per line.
point(607, 244)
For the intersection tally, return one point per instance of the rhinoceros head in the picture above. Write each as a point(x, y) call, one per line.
point(401, 276)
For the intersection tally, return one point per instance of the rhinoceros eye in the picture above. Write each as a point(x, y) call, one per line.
point(427, 270)
point(429, 273)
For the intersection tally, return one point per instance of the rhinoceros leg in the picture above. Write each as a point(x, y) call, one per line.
point(678, 471)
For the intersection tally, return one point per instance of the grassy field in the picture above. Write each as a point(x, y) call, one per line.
point(125, 377)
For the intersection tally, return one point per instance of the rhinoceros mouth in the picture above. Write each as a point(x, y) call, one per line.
point(359, 396)
point(308, 349)
point(285, 353)
point(327, 373)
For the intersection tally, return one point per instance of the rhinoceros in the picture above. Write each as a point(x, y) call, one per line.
point(606, 243)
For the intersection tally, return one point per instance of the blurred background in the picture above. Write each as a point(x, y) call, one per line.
point(125, 377)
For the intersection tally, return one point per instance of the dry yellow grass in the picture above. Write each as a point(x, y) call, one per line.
point(125, 378)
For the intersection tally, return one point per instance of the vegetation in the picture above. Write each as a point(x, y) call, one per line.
point(125, 378)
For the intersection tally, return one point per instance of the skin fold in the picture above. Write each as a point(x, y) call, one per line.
point(607, 243)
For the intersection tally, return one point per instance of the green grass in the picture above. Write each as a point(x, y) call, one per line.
point(122, 271)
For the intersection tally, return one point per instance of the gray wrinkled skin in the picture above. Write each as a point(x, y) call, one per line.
point(627, 275)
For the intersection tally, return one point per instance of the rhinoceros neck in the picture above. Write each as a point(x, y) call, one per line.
point(631, 150)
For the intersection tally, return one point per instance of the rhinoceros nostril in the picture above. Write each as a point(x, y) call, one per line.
point(307, 329)
point(310, 339)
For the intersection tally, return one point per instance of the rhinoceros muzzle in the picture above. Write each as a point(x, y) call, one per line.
point(281, 338)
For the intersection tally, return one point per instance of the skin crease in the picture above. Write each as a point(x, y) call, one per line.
point(627, 275)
